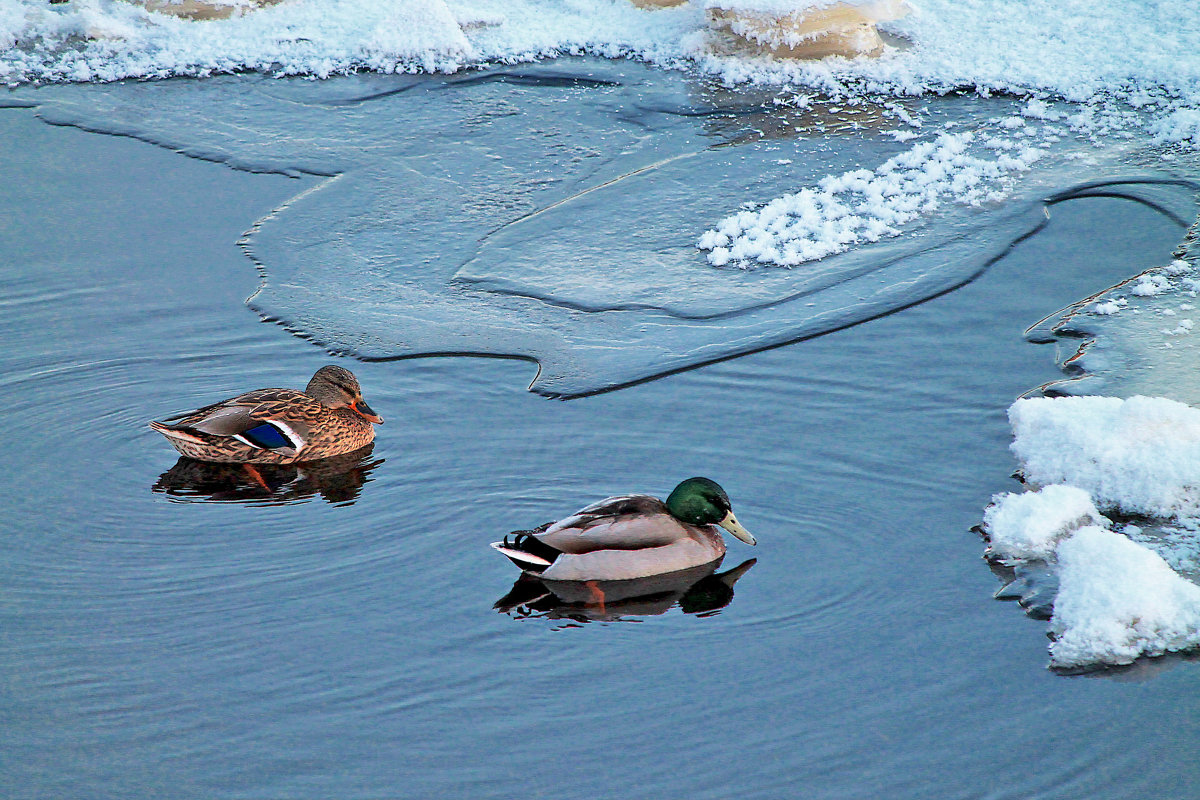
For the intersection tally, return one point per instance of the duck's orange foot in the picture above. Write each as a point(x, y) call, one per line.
point(256, 476)
point(597, 595)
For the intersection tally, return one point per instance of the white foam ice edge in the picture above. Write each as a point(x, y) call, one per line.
point(1118, 599)
point(1171, 278)
point(1074, 48)
point(1079, 50)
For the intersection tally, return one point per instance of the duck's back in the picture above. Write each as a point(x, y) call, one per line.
point(625, 537)
point(626, 522)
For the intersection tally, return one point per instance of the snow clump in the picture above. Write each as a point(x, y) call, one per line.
point(1029, 525)
point(1118, 600)
point(865, 206)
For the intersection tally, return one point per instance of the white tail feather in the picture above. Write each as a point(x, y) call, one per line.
point(170, 433)
point(520, 555)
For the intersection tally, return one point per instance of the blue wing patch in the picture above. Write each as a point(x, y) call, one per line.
point(267, 436)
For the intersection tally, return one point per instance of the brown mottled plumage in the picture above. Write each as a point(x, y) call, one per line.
point(278, 426)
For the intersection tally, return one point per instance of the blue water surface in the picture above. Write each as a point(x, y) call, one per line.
point(333, 634)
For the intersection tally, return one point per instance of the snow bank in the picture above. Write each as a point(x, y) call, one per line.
point(1142, 54)
point(107, 40)
point(1138, 456)
point(1118, 600)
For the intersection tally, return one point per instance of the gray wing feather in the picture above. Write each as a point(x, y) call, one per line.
point(233, 419)
point(628, 522)
point(226, 421)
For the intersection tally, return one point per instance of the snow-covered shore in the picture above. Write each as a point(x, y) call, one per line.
point(1118, 598)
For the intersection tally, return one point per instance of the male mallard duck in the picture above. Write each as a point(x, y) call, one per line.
point(631, 536)
point(278, 426)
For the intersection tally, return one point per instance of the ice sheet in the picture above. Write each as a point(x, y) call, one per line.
point(552, 212)
point(1136, 337)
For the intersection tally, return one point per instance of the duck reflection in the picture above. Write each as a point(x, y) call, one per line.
point(700, 590)
point(338, 479)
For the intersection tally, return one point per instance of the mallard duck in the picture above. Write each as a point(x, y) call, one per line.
point(278, 426)
point(631, 536)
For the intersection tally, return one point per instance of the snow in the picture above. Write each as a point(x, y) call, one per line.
point(1107, 308)
point(108, 40)
point(1120, 596)
point(864, 206)
point(1151, 285)
point(1141, 54)
point(814, 29)
point(1118, 600)
point(1029, 525)
point(773, 6)
point(1139, 455)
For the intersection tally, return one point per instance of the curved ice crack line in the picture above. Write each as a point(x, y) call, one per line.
point(1039, 332)
point(1088, 190)
point(226, 159)
point(553, 80)
point(244, 243)
point(720, 315)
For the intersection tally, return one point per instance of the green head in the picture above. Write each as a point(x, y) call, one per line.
point(699, 501)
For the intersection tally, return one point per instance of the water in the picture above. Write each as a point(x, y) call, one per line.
point(347, 645)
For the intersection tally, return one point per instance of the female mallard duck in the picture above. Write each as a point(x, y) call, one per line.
point(278, 426)
point(631, 536)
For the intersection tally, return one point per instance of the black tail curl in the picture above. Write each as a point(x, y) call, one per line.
point(527, 542)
